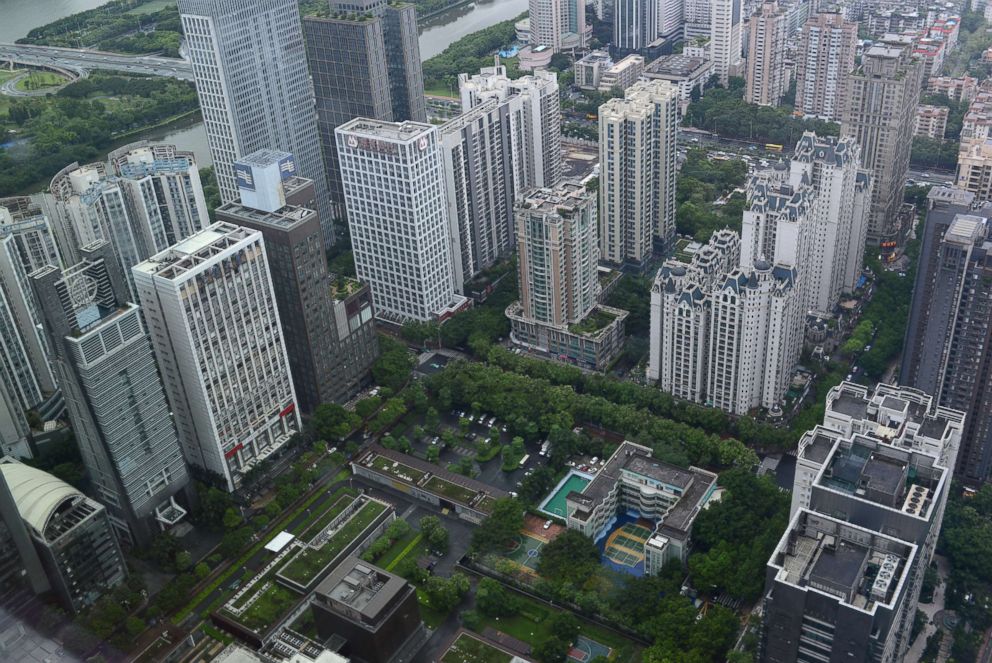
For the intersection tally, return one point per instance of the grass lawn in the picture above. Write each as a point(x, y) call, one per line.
point(431, 616)
point(309, 562)
point(592, 323)
point(6, 75)
point(397, 469)
point(467, 649)
point(38, 80)
point(441, 91)
point(532, 626)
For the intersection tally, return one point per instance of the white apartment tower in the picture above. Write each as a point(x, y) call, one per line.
point(811, 214)
point(557, 24)
point(765, 78)
point(827, 46)
point(212, 315)
point(479, 187)
point(164, 190)
point(637, 156)
point(255, 89)
point(394, 187)
point(534, 111)
point(723, 335)
point(726, 19)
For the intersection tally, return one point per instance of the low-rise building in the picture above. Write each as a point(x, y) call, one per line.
point(688, 73)
point(957, 89)
point(621, 75)
point(633, 480)
point(931, 121)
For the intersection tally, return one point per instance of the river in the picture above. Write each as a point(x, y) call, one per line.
point(18, 17)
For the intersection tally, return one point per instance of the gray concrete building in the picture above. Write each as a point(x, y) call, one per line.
point(880, 115)
point(948, 348)
point(103, 361)
point(478, 179)
point(364, 59)
point(276, 205)
point(71, 534)
point(255, 90)
point(868, 502)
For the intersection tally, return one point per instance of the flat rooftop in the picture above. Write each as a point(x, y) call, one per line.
point(395, 131)
point(565, 197)
point(676, 66)
point(264, 157)
point(819, 447)
point(361, 587)
point(283, 218)
point(195, 250)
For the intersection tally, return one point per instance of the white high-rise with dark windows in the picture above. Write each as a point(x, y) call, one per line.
point(254, 86)
point(211, 311)
point(393, 178)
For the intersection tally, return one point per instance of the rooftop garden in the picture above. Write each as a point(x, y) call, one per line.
point(270, 606)
point(450, 490)
point(332, 512)
point(596, 321)
point(469, 649)
point(397, 469)
point(309, 562)
point(343, 286)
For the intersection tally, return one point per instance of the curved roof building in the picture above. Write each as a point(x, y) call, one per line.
point(71, 533)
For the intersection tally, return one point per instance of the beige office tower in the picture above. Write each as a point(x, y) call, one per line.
point(881, 116)
point(765, 79)
point(637, 180)
point(827, 46)
point(726, 19)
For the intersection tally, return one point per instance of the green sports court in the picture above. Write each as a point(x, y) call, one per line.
point(554, 504)
point(585, 650)
point(526, 551)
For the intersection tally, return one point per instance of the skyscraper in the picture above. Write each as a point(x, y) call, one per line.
point(726, 17)
point(254, 87)
point(210, 307)
point(103, 361)
point(365, 62)
point(765, 77)
point(151, 199)
point(880, 115)
point(557, 24)
point(22, 218)
point(948, 349)
point(535, 120)
point(724, 335)
point(811, 213)
point(635, 24)
point(164, 191)
point(273, 202)
point(478, 176)
point(394, 187)
point(827, 47)
point(558, 257)
point(868, 501)
point(637, 156)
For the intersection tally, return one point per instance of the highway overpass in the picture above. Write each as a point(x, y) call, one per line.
point(83, 60)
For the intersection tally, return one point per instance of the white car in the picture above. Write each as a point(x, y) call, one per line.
point(547, 524)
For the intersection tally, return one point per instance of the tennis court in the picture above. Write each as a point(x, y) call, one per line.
point(586, 650)
point(526, 551)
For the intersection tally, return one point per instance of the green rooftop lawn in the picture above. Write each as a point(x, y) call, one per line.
point(271, 606)
point(394, 468)
point(336, 507)
point(593, 322)
point(309, 562)
point(486, 504)
point(467, 649)
point(450, 490)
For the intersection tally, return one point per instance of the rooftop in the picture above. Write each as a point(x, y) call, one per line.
point(360, 587)
point(285, 218)
point(195, 250)
point(676, 66)
point(402, 132)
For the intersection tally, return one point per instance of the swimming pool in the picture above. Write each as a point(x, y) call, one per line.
point(554, 503)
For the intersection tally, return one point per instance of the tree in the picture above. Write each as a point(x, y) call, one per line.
point(572, 557)
point(367, 406)
point(392, 368)
point(233, 519)
point(564, 626)
point(134, 626)
point(435, 533)
point(492, 599)
point(201, 571)
point(183, 560)
point(446, 593)
point(551, 650)
point(213, 506)
point(330, 421)
point(501, 527)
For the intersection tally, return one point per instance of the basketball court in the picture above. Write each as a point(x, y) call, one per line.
point(525, 551)
point(586, 650)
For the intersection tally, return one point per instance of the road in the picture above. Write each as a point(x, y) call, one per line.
point(82, 60)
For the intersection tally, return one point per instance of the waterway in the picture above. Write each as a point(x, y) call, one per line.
point(18, 17)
